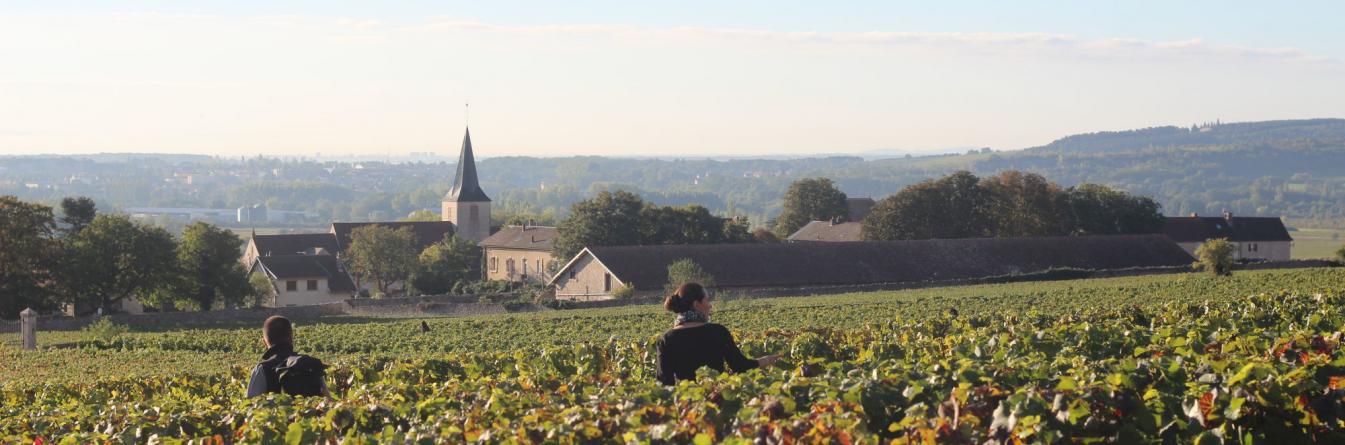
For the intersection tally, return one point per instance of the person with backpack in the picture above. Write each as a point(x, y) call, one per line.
point(281, 369)
point(694, 341)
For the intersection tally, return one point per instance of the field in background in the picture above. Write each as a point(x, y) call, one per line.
point(1317, 243)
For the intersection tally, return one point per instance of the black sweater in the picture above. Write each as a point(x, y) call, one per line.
point(682, 351)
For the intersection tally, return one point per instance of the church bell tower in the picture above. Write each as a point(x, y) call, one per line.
point(466, 205)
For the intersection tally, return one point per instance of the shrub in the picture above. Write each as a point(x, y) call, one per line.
point(1340, 255)
point(1215, 257)
point(515, 306)
point(104, 332)
point(625, 292)
point(686, 271)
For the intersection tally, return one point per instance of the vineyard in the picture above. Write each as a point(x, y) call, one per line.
point(1254, 358)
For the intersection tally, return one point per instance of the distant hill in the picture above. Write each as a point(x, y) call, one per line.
point(1269, 133)
point(1294, 169)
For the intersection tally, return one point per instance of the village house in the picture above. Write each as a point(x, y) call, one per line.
point(307, 268)
point(304, 279)
point(1253, 238)
point(518, 253)
point(839, 229)
point(597, 271)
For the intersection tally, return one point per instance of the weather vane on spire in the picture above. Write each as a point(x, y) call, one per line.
point(467, 114)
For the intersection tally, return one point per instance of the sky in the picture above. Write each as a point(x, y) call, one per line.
point(622, 78)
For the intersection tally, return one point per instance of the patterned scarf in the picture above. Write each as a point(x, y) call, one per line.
point(691, 316)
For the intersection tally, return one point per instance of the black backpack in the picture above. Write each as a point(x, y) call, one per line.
point(297, 375)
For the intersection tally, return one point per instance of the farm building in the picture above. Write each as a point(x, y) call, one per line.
point(596, 271)
point(518, 253)
point(299, 280)
point(1255, 238)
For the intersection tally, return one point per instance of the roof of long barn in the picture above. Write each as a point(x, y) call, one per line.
point(1192, 229)
point(872, 262)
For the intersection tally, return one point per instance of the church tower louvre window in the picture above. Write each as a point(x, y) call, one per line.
point(466, 204)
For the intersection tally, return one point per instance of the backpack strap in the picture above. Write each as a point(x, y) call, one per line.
point(269, 371)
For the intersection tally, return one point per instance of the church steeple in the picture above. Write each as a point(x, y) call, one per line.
point(465, 186)
point(466, 205)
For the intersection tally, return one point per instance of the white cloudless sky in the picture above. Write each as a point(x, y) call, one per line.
point(636, 78)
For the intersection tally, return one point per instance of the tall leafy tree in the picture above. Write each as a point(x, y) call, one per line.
point(1025, 204)
point(608, 219)
point(77, 212)
point(444, 264)
point(955, 206)
point(27, 245)
point(211, 271)
point(382, 255)
point(1093, 209)
point(115, 258)
point(806, 200)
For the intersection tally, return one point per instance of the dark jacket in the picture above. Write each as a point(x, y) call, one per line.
point(682, 351)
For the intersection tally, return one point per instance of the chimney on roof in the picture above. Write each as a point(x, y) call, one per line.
point(1228, 216)
point(1194, 214)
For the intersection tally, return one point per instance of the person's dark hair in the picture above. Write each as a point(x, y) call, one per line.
point(278, 329)
point(686, 296)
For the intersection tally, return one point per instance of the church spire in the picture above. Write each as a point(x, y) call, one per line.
point(465, 187)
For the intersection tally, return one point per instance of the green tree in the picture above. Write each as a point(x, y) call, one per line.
point(27, 245)
point(421, 215)
point(115, 258)
point(955, 206)
point(209, 258)
point(686, 271)
point(262, 291)
point(1092, 209)
point(444, 264)
point(692, 224)
point(382, 255)
point(608, 219)
point(1215, 256)
point(1025, 204)
point(77, 212)
point(806, 200)
point(1340, 255)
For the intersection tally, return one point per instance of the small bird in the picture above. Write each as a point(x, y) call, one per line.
point(424, 327)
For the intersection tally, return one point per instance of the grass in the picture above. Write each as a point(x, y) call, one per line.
point(1317, 243)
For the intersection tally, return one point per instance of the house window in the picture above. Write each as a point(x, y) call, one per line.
point(539, 267)
point(607, 282)
point(493, 263)
point(509, 266)
point(291, 286)
point(312, 284)
point(525, 268)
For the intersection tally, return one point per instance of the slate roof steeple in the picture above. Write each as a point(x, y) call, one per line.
point(465, 187)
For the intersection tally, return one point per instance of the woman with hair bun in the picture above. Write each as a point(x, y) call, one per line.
point(694, 342)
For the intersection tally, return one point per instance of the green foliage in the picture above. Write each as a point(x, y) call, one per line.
point(1340, 255)
point(686, 271)
point(1215, 256)
point(807, 200)
point(622, 218)
point(624, 292)
point(115, 258)
point(104, 332)
point(383, 255)
point(262, 291)
point(609, 219)
point(444, 264)
point(212, 275)
point(77, 212)
point(27, 248)
point(1171, 359)
point(1012, 204)
point(955, 206)
point(421, 215)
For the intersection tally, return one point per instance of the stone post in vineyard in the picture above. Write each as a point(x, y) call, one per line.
point(28, 328)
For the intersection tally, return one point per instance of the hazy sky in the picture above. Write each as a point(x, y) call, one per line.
point(639, 78)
